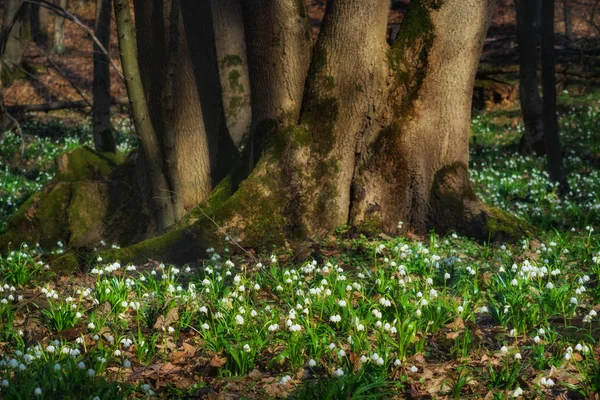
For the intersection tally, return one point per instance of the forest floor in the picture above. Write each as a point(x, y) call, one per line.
point(384, 317)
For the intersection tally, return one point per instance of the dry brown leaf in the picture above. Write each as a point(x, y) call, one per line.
point(217, 362)
point(163, 322)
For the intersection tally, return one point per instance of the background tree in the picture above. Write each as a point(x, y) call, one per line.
point(529, 95)
point(13, 54)
point(103, 138)
point(556, 167)
point(568, 17)
point(233, 66)
point(58, 44)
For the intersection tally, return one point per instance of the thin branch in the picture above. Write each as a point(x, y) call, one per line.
point(71, 17)
point(61, 73)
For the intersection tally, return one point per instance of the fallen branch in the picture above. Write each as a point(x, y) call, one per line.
point(55, 105)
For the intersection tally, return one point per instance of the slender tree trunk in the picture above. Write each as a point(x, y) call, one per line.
point(58, 45)
point(531, 102)
point(568, 15)
point(278, 63)
point(103, 137)
point(233, 66)
point(39, 25)
point(556, 167)
point(204, 150)
point(170, 111)
point(13, 53)
point(161, 191)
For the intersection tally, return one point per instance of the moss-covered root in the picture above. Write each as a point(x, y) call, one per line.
point(456, 207)
point(177, 246)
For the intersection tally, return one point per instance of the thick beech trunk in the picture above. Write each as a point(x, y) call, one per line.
point(233, 66)
point(58, 44)
point(556, 167)
point(529, 95)
point(202, 146)
point(279, 45)
point(103, 138)
point(13, 54)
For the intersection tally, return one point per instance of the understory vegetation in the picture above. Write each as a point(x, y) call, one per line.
point(364, 318)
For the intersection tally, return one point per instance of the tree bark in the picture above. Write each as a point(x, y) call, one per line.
point(568, 16)
point(13, 54)
point(204, 150)
point(233, 66)
point(58, 45)
point(39, 24)
point(278, 44)
point(161, 191)
point(103, 137)
point(531, 102)
point(556, 167)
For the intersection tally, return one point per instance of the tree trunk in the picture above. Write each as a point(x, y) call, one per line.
point(58, 45)
point(382, 136)
point(103, 138)
point(568, 15)
point(531, 102)
point(39, 24)
point(278, 63)
point(233, 66)
point(556, 167)
point(203, 148)
point(13, 54)
point(161, 191)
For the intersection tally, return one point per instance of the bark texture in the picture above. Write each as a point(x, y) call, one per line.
point(556, 167)
point(161, 191)
point(233, 66)
point(58, 44)
point(568, 16)
point(202, 146)
point(13, 54)
point(278, 46)
point(529, 95)
point(103, 138)
point(39, 24)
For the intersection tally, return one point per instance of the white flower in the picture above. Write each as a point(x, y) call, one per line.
point(397, 363)
point(239, 319)
point(285, 380)
point(518, 356)
point(81, 365)
point(363, 359)
point(247, 348)
point(338, 373)
point(312, 363)
point(91, 372)
point(380, 361)
point(550, 285)
point(483, 309)
point(504, 349)
point(518, 392)
point(91, 325)
point(514, 282)
point(335, 318)
point(573, 300)
point(37, 392)
point(57, 367)
point(413, 369)
point(50, 349)
point(117, 353)
point(579, 347)
point(537, 339)
point(5, 382)
point(341, 353)
point(126, 364)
